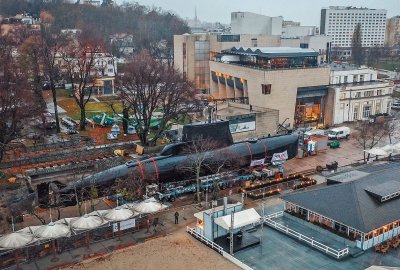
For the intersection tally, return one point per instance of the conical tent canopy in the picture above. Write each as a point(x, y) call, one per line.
point(53, 230)
point(118, 214)
point(149, 206)
point(16, 240)
point(86, 222)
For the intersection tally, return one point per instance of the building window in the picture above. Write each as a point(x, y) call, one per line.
point(366, 111)
point(345, 79)
point(355, 112)
point(358, 95)
point(379, 92)
point(368, 93)
point(361, 78)
point(341, 106)
point(266, 89)
point(254, 42)
point(342, 95)
point(378, 107)
point(110, 70)
point(388, 107)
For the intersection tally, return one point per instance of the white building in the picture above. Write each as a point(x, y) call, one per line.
point(96, 3)
point(255, 24)
point(298, 31)
point(358, 94)
point(340, 22)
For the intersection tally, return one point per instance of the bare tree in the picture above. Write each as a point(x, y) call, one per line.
point(206, 157)
point(148, 85)
point(368, 135)
point(16, 97)
point(81, 64)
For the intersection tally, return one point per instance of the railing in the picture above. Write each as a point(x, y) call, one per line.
point(203, 239)
point(218, 248)
point(338, 254)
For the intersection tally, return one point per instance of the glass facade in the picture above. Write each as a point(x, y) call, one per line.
point(202, 56)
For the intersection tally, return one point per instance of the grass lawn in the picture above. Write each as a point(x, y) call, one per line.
point(92, 108)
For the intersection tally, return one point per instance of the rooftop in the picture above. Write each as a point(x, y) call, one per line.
point(349, 203)
point(273, 51)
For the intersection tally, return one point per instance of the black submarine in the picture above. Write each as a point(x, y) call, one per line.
point(168, 165)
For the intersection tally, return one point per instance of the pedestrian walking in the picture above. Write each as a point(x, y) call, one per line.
point(176, 217)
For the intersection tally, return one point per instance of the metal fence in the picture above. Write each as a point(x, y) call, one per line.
point(338, 254)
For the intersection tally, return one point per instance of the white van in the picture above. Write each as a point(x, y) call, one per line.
point(339, 133)
point(313, 132)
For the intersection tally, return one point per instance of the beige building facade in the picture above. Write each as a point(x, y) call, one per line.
point(193, 51)
point(266, 88)
point(392, 37)
point(247, 121)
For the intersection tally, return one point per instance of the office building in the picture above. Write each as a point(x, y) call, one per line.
point(340, 22)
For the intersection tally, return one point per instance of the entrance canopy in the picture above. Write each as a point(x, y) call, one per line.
point(241, 219)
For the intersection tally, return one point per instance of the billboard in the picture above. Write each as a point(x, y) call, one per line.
point(242, 123)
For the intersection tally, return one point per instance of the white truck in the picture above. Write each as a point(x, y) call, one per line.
point(339, 133)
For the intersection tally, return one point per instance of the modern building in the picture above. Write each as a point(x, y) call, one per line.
point(339, 23)
point(392, 37)
point(285, 79)
point(361, 205)
point(298, 31)
point(192, 52)
point(358, 94)
point(247, 121)
point(255, 24)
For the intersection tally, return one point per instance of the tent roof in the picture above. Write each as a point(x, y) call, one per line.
point(241, 219)
point(377, 152)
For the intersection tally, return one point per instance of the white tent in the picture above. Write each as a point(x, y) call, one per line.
point(118, 214)
point(29, 229)
point(52, 231)
point(16, 240)
point(240, 219)
point(86, 222)
point(377, 152)
point(149, 206)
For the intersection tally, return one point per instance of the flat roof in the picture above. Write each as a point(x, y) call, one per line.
point(273, 51)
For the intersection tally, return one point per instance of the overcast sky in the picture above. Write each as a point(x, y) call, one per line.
point(305, 11)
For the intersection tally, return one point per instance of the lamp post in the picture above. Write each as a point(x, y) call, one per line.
point(231, 233)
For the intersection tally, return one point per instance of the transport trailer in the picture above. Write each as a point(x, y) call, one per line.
point(169, 165)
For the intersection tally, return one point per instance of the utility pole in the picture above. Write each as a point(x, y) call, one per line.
point(231, 233)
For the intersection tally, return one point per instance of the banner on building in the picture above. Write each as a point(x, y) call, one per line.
point(279, 157)
point(242, 123)
point(124, 225)
point(257, 162)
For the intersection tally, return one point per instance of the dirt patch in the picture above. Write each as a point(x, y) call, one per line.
point(177, 251)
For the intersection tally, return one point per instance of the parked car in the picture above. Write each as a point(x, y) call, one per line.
point(339, 133)
point(312, 132)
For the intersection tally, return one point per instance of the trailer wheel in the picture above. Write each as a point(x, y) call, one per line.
point(172, 199)
point(223, 187)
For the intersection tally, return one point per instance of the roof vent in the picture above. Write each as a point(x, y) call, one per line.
point(385, 191)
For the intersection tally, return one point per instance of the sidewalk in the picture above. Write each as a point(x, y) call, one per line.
point(74, 256)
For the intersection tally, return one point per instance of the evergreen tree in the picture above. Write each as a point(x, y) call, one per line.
point(357, 51)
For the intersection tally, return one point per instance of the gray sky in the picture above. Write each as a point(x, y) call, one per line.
point(305, 11)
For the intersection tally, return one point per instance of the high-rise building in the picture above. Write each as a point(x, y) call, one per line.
point(340, 22)
point(393, 32)
point(255, 24)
